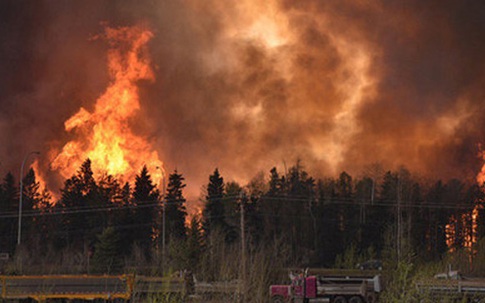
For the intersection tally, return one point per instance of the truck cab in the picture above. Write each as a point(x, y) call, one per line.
point(315, 289)
point(296, 292)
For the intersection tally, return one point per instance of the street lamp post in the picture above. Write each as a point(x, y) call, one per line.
point(163, 212)
point(19, 233)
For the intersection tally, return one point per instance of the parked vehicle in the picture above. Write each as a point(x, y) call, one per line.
point(370, 265)
point(453, 287)
point(336, 289)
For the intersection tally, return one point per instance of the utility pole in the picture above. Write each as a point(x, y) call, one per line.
point(243, 243)
point(314, 221)
point(19, 232)
point(163, 213)
point(163, 219)
point(399, 223)
point(373, 191)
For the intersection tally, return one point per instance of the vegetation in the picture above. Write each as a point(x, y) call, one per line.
point(107, 253)
point(290, 220)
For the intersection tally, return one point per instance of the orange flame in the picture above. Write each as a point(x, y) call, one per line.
point(104, 135)
point(467, 223)
point(481, 174)
point(39, 176)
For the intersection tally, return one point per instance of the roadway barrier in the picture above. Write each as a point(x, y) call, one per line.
point(122, 287)
point(86, 287)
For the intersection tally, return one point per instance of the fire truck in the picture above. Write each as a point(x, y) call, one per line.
point(330, 289)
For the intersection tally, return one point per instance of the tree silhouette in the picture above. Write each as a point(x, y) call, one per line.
point(107, 253)
point(314, 222)
point(213, 214)
point(270, 207)
point(348, 211)
point(9, 205)
point(80, 192)
point(31, 197)
point(124, 218)
point(146, 200)
point(194, 244)
point(175, 207)
point(363, 196)
point(329, 243)
point(298, 206)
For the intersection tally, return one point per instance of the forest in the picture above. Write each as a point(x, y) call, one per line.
point(280, 220)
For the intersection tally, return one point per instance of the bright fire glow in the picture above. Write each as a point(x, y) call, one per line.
point(471, 230)
point(466, 227)
point(354, 86)
point(259, 21)
point(105, 135)
point(481, 174)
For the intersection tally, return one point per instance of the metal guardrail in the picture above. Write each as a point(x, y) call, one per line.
point(41, 288)
point(88, 287)
point(151, 285)
point(453, 288)
point(229, 287)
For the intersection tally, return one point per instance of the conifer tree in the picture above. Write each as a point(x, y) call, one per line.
point(275, 183)
point(44, 223)
point(146, 201)
point(383, 216)
point(214, 208)
point(250, 198)
point(4, 226)
point(232, 197)
point(30, 199)
point(348, 211)
point(107, 195)
point(418, 234)
point(175, 207)
point(9, 205)
point(271, 206)
point(107, 257)
point(124, 218)
point(37, 227)
point(194, 244)
point(10, 193)
point(363, 196)
point(80, 192)
point(298, 206)
point(326, 209)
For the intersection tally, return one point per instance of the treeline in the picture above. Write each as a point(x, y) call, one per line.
point(289, 219)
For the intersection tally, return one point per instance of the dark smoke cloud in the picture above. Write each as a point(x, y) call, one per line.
point(225, 98)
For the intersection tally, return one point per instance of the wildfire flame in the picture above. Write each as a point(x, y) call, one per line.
point(481, 174)
point(104, 135)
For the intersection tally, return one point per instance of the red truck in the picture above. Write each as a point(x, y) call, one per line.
point(313, 289)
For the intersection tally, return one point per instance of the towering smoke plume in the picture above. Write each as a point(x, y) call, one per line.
point(246, 85)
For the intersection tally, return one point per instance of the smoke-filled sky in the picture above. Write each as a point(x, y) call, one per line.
point(247, 85)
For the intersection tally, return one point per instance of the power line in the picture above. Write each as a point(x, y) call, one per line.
point(55, 210)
